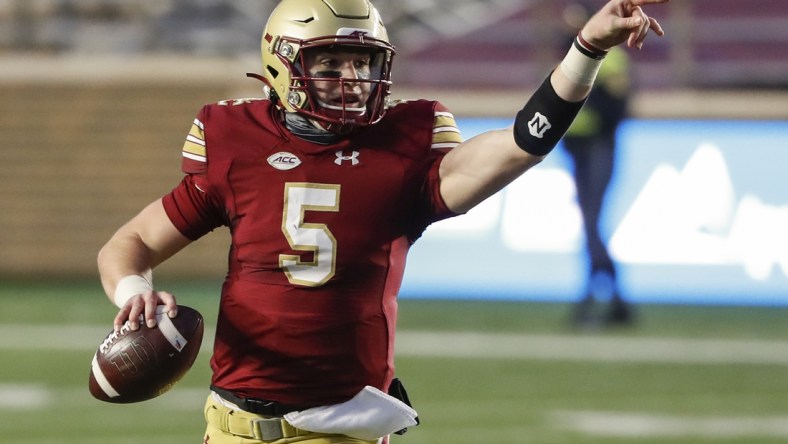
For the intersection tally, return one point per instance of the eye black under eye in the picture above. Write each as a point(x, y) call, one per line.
point(328, 74)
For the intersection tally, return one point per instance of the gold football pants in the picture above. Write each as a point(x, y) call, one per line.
point(227, 426)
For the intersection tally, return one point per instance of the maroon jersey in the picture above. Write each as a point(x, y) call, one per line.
point(319, 239)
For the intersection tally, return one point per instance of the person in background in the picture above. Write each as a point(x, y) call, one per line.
point(591, 143)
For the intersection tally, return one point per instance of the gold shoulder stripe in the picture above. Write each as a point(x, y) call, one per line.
point(197, 131)
point(445, 133)
point(445, 142)
point(446, 129)
point(443, 121)
point(193, 149)
point(194, 146)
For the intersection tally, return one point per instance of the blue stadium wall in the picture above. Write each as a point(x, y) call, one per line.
point(697, 213)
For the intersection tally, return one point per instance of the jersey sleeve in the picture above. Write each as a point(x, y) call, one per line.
point(445, 136)
point(195, 159)
point(192, 210)
point(191, 205)
point(445, 133)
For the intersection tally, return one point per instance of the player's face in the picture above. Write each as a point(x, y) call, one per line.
point(347, 64)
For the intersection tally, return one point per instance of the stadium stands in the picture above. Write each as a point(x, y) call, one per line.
point(456, 43)
point(77, 161)
point(90, 134)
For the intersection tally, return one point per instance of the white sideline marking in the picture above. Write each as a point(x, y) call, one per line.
point(24, 397)
point(51, 337)
point(474, 345)
point(590, 348)
point(628, 425)
point(61, 337)
point(31, 397)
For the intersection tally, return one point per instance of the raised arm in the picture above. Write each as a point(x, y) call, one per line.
point(482, 165)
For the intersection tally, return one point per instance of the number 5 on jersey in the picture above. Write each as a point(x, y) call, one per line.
point(310, 237)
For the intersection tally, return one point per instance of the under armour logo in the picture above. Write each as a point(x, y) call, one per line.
point(341, 157)
point(538, 125)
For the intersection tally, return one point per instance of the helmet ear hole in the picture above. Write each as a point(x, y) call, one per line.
point(274, 73)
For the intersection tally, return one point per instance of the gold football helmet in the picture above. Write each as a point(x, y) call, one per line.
point(299, 26)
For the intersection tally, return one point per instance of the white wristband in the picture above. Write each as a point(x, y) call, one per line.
point(579, 67)
point(130, 286)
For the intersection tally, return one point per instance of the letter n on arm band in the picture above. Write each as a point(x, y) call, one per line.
point(543, 121)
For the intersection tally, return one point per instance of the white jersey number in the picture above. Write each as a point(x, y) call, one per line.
point(309, 237)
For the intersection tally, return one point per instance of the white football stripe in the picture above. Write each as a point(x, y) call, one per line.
point(102, 380)
point(169, 330)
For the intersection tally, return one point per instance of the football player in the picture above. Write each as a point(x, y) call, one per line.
point(324, 186)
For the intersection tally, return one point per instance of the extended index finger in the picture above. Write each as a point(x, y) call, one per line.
point(656, 27)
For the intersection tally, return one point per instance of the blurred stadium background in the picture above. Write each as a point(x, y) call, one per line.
point(96, 97)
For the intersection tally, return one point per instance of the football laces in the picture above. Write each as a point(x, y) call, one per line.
point(107, 343)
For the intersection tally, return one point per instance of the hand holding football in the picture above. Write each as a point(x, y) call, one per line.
point(137, 365)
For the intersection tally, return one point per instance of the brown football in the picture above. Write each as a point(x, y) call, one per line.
point(137, 365)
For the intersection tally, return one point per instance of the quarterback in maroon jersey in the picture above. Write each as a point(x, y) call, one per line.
point(324, 186)
point(320, 234)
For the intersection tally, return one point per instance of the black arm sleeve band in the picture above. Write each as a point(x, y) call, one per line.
point(543, 121)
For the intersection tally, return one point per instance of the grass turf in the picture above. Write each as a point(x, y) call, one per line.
point(44, 397)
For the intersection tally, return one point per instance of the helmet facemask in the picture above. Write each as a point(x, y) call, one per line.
point(298, 28)
point(339, 104)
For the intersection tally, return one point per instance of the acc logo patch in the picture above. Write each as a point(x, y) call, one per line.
point(354, 32)
point(284, 161)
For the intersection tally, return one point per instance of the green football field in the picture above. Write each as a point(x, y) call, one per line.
point(477, 372)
